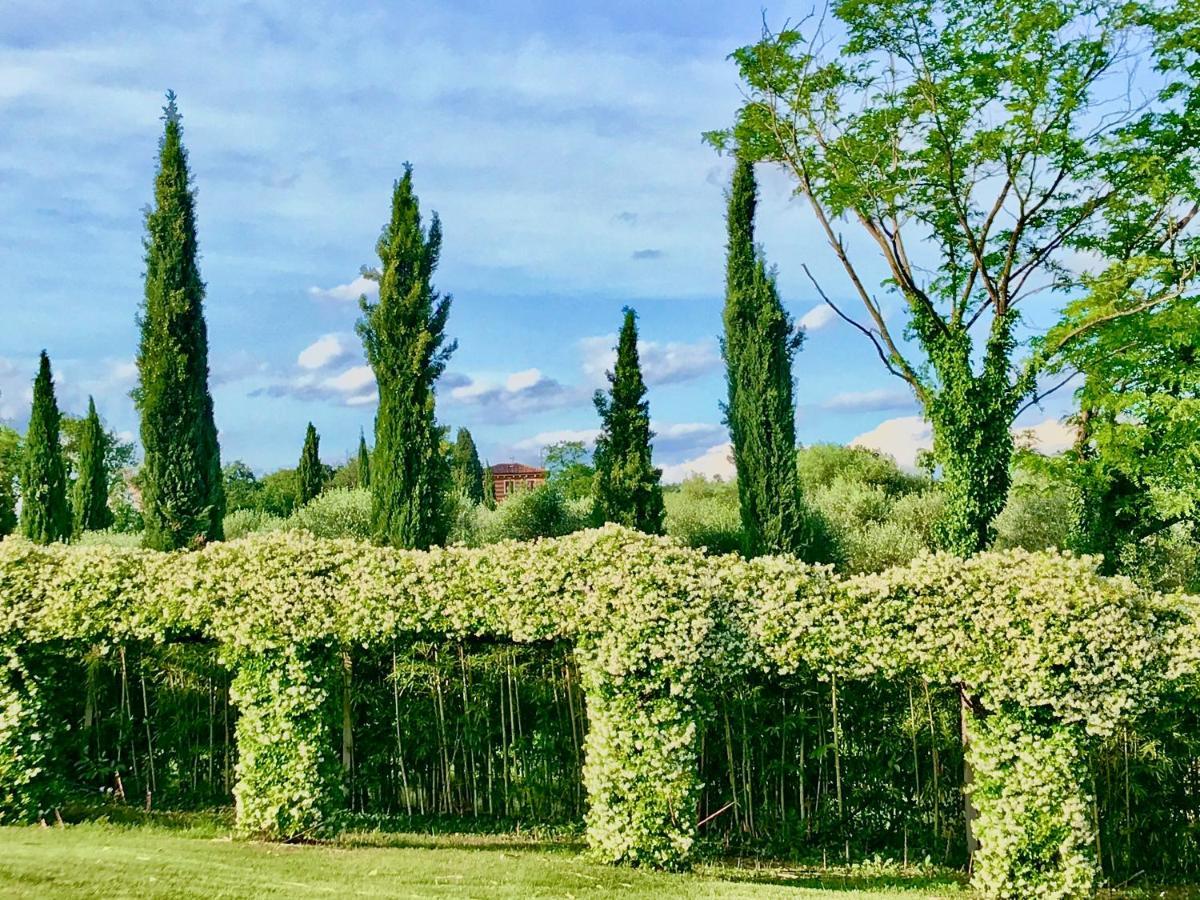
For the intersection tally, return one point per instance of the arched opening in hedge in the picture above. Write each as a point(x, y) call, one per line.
point(1049, 656)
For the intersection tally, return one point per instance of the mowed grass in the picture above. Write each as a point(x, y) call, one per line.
point(151, 861)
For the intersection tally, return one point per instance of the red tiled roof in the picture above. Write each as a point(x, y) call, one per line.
point(516, 469)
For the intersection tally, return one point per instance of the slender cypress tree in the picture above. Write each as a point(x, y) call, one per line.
point(627, 484)
point(364, 462)
point(759, 346)
point(182, 494)
point(489, 487)
point(90, 494)
point(404, 337)
point(11, 463)
point(45, 515)
point(468, 470)
point(310, 474)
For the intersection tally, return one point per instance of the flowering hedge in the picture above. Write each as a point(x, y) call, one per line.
point(1048, 655)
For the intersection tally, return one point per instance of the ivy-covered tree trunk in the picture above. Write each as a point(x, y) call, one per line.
point(759, 345)
point(404, 337)
point(90, 499)
point(183, 498)
point(972, 416)
point(45, 515)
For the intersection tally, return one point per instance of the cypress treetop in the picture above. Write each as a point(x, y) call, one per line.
point(364, 462)
point(627, 484)
point(182, 492)
point(404, 337)
point(310, 474)
point(468, 470)
point(90, 494)
point(45, 515)
point(759, 345)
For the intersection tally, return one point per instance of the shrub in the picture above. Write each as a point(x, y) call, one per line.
point(704, 514)
point(242, 522)
point(541, 512)
point(340, 513)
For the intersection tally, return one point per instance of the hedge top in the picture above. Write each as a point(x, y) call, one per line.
point(1040, 633)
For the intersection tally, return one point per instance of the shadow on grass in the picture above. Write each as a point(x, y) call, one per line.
point(442, 833)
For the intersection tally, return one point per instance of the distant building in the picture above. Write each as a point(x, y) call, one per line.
point(508, 478)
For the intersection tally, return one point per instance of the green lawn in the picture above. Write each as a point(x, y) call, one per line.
point(106, 860)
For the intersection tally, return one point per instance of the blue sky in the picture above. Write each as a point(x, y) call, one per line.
point(560, 143)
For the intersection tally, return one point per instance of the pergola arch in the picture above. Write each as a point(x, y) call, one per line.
point(1051, 654)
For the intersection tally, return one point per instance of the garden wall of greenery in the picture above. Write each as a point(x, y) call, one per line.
point(654, 643)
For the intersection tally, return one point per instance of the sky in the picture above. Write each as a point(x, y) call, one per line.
point(559, 143)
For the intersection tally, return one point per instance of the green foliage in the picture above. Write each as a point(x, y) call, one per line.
point(119, 455)
point(89, 497)
point(526, 515)
point(1051, 656)
point(923, 124)
point(45, 515)
point(627, 488)
point(759, 346)
point(568, 469)
point(364, 463)
point(338, 513)
point(704, 514)
point(11, 457)
point(310, 473)
point(404, 337)
point(1042, 510)
point(242, 490)
point(182, 494)
point(279, 494)
point(466, 469)
point(489, 487)
point(872, 514)
point(242, 522)
point(288, 774)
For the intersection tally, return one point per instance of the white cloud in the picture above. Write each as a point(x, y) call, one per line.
point(346, 293)
point(817, 317)
point(902, 437)
point(511, 397)
point(324, 351)
point(869, 401)
point(1050, 436)
point(521, 381)
point(715, 462)
point(662, 363)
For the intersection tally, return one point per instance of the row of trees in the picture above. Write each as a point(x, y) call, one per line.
point(975, 185)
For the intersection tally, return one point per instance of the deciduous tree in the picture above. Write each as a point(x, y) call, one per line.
point(986, 152)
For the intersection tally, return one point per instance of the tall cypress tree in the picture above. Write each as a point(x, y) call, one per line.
point(89, 499)
point(364, 462)
point(759, 345)
point(468, 470)
point(182, 494)
point(45, 515)
point(404, 337)
point(310, 474)
point(627, 484)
